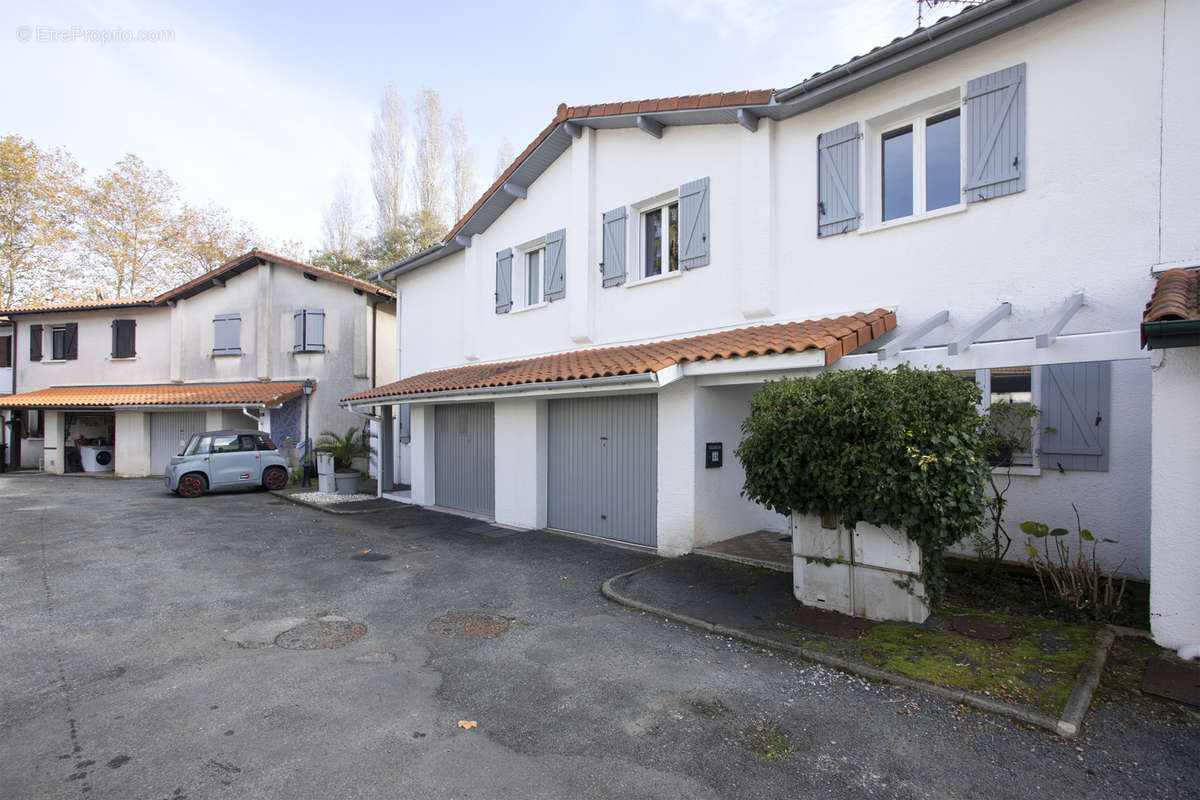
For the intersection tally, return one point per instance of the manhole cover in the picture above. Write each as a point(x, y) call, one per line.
point(318, 634)
point(371, 556)
point(468, 625)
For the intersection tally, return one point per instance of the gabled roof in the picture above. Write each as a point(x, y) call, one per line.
point(948, 35)
point(268, 394)
point(835, 337)
point(238, 265)
point(231, 268)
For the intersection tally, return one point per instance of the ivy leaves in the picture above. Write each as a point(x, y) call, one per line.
point(903, 448)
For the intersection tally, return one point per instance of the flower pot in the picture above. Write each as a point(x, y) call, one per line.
point(347, 482)
point(324, 463)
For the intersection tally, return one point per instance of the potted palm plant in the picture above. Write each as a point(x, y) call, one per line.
point(345, 449)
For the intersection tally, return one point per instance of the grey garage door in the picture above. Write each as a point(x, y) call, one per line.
point(603, 467)
point(465, 457)
point(168, 433)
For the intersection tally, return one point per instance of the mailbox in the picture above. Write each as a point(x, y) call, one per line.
point(713, 456)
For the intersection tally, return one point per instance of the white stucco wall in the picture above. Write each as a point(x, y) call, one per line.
point(95, 364)
point(1175, 500)
point(721, 512)
point(131, 456)
point(1093, 219)
point(521, 461)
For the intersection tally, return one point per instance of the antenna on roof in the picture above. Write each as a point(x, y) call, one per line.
point(931, 4)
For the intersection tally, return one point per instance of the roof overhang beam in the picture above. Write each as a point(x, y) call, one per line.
point(979, 329)
point(909, 337)
point(1069, 309)
point(747, 119)
point(514, 189)
point(650, 125)
point(1123, 345)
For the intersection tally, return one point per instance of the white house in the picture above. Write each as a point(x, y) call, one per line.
point(127, 381)
point(993, 194)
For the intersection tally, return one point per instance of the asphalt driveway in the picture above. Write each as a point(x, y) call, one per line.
point(117, 678)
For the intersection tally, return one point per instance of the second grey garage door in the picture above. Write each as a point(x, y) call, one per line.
point(169, 432)
point(464, 459)
point(603, 467)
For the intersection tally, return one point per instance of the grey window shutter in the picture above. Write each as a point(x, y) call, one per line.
point(996, 134)
point(116, 336)
point(693, 224)
point(555, 278)
point(227, 333)
point(837, 181)
point(612, 268)
point(504, 261)
point(35, 342)
point(314, 329)
point(129, 340)
point(71, 341)
point(404, 415)
point(298, 319)
point(1075, 416)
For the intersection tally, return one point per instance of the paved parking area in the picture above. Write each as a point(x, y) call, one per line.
point(117, 678)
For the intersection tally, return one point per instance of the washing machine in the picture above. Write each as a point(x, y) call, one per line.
point(96, 459)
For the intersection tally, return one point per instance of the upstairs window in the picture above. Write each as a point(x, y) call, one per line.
point(921, 166)
point(660, 240)
point(227, 334)
point(5, 351)
point(64, 342)
point(123, 338)
point(310, 330)
point(533, 274)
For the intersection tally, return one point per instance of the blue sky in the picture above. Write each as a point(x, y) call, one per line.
point(260, 106)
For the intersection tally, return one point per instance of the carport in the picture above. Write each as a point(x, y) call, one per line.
point(134, 430)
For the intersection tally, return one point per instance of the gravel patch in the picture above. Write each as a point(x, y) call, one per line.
point(330, 498)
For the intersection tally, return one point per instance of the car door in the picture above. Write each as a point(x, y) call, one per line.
point(229, 464)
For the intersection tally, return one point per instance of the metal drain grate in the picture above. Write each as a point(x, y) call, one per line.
point(318, 634)
point(468, 625)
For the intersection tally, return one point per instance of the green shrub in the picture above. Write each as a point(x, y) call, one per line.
point(903, 448)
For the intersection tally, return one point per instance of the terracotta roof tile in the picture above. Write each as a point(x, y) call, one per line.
point(835, 336)
point(1176, 296)
point(78, 305)
point(654, 105)
point(269, 394)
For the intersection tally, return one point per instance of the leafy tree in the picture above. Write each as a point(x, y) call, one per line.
point(212, 237)
point(132, 231)
point(39, 201)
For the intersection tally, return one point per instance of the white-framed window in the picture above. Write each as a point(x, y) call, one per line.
point(915, 158)
point(1015, 388)
point(659, 249)
point(529, 263)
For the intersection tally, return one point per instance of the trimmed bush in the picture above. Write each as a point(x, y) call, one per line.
point(904, 448)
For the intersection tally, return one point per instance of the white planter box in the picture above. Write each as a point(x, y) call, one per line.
point(869, 572)
point(324, 464)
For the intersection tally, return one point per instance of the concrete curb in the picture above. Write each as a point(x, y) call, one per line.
point(1067, 726)
point(328, 510)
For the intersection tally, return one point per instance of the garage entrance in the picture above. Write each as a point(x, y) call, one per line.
point(169, 432)
point(603, 467)
point(465, 457)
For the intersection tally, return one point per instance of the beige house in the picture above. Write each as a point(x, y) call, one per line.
point(118, 385)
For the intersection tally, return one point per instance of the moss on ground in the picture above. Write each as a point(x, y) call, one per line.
point(1037, 667)
point(765, 741)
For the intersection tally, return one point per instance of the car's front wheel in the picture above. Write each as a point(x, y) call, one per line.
point(192, 485)
point(274, 478)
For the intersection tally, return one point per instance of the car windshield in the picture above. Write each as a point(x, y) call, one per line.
point(197, 445)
